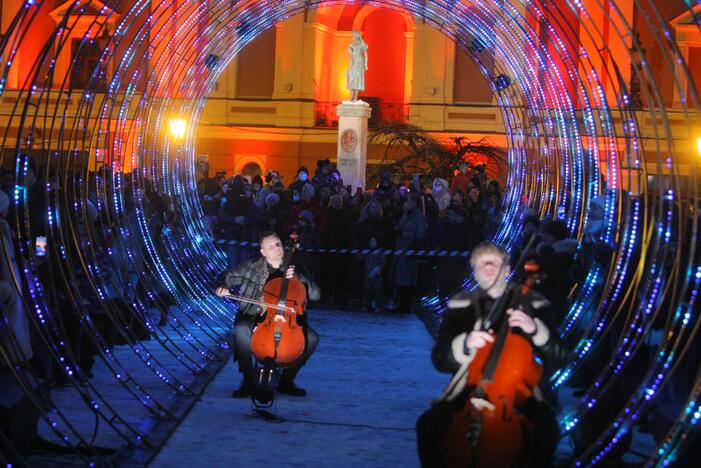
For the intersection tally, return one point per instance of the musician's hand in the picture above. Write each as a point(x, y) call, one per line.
point(478, 339)
point(222, 291)
point(290, 272)
point(520, 319)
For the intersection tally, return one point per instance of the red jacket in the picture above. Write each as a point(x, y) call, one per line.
point(315, 208)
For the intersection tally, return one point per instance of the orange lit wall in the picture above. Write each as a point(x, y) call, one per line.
point(347, 16)
point(283, 156)
point(694, 63)
point(566, 26)
point(330, 62)
point(31, 45)
point(384, 32)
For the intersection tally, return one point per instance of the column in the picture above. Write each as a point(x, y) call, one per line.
point(353, 142)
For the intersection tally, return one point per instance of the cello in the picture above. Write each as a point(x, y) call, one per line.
point(279, 338)
point(489, 430)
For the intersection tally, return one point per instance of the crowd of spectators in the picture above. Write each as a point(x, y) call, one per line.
point(325, 213)
point(319, 207)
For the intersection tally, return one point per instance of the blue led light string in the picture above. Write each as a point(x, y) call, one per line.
point(101, 288)
point(511, 116)
point(590, 290)
point(619, 364)
point(98, 344)
point(27, 143)
point(669, 448)
point(187, 337)
point(609, 211)
point(576, 138)
point(570, 173)
point(664, 232)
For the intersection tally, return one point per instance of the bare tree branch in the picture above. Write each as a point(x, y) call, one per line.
point(410, 149)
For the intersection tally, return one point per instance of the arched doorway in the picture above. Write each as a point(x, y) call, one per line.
point(251, 169)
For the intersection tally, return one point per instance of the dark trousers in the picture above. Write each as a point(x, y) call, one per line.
point(431, 427)
point(243, 328)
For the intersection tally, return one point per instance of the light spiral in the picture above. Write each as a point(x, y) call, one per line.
point(573, 131)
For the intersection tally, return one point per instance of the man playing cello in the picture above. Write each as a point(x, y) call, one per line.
point(250, 279)
point(461, 337)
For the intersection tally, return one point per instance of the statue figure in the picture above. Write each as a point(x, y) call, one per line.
point(355, 76)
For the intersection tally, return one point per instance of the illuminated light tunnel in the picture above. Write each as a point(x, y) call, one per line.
point(574, 134)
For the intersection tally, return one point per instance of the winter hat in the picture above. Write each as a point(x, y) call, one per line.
point(598, 201)
point(307, 216)
point(439, 185)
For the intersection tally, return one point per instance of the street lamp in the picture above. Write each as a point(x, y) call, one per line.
point(177, 129)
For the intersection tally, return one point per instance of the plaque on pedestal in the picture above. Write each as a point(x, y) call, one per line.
point(352, 142)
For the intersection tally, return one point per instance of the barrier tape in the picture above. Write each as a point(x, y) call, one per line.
point(404, 252)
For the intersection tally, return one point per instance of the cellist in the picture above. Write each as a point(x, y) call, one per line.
point(459, 338)
point(249, 279)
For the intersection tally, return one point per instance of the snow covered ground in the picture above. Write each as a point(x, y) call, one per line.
point(369, 380)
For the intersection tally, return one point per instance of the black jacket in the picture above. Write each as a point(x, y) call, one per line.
point(249, 279)
point(447, 355)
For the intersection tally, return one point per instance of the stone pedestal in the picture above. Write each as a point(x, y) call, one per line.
point(353, 142)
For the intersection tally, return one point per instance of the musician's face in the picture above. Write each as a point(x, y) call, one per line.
point(271, 248)
point(489, 270)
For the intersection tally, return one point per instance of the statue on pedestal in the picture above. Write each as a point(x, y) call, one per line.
point(355, 76)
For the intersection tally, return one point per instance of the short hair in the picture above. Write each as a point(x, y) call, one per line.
point(489, 247)
point(265, 234)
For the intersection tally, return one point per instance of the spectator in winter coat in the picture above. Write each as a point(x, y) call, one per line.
point(373, 263)
point(309, 203)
